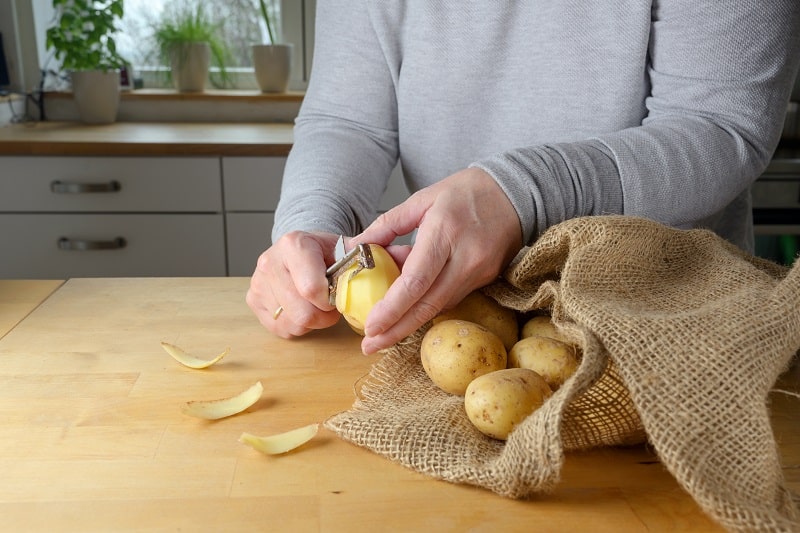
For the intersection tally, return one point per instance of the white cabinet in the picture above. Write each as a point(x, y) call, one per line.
point(61, 246)
point(252, 186)
point(66, 217)
point(110, 184)
point(248, 235)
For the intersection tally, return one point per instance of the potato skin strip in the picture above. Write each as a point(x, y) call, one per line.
point(282, 442)
point(216, 409)
point(190, 360)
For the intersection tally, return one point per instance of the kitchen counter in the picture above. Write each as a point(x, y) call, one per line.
point(93, 438)
point(146, 139)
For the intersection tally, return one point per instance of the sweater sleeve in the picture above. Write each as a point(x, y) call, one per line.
point(345, 135)
point(720, 76)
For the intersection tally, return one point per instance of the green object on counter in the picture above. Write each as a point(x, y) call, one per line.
point(788, 247)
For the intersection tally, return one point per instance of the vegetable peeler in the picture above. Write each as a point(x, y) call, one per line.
point(361, 255)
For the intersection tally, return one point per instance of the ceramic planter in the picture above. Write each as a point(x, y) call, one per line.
point(96, 95)
point(273, 65)
point(190, 63)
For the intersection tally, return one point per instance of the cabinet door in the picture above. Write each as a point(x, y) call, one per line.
point(248, 236)
point(110, 184)
point(252, 183)
point(60, 246)
point(396, 191)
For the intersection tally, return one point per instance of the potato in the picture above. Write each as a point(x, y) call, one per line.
point(497, 402)
point(357, 293)
point(478, 308)
point(554, 360)
point(455, 352)
point(542, 325)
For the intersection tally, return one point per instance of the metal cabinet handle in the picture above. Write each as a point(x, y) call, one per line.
point(73, 187)
point(82, 245)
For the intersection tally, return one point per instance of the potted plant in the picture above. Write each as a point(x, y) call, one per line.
point(272, 62)
point(188, 40)
point(82, 38)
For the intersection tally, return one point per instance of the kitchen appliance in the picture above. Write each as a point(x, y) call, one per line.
point(4, 77)
point(776, 207)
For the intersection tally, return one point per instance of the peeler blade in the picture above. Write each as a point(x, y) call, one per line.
point(361, 255)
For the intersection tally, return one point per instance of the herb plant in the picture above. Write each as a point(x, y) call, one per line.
point(192, 25)
point(267, 21)
point(83, 34)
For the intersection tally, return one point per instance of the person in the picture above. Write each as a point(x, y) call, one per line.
point(510, 117)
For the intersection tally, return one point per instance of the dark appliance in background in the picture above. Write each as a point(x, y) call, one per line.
point(4, 78)
point(776, 196)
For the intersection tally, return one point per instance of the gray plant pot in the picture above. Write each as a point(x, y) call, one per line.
point(190, 63)
point(273, 66)
point(96, 95)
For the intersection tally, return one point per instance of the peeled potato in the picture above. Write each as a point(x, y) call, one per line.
point(357, 293)
point(554, 360)
point(543, 326)
point(497, 402)
point(479, 308)
point(455, 352)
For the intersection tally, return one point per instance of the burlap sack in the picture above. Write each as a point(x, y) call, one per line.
point(695, 330)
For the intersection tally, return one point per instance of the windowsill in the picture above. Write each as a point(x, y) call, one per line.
point(166, 105)
point(212, 95)
point(10, 97)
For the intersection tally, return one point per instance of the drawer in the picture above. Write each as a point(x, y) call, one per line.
point(252, 183)
point(60, 246)
point(248, 236)
point(110, 184)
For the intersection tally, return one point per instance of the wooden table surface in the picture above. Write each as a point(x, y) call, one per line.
point(20, 297)
point(93, 438)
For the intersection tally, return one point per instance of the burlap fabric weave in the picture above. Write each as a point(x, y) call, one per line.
point(682, 334)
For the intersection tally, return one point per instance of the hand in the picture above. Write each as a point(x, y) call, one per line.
point(291, 274)
point(468, 231)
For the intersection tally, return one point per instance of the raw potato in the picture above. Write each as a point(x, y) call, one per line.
point(543, 326)
point(454, 352)
point(497, 402)
point(215, 409)
point(554, 360)
point(281, 443)
point(479, 308)
point(357, 294)
point(190, 360)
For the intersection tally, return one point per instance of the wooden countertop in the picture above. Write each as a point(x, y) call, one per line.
point(146, 139)
point(93, 438)
point(20, 297)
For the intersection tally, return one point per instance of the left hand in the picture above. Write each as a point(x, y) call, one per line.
point(467, 232)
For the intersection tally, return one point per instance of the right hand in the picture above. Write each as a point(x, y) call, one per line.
point(291, 274)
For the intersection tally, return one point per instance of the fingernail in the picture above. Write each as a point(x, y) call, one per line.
point(368, 348)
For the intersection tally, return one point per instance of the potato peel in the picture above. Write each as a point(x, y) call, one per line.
point(216, 409)
point(190, 360)
point(282, 442)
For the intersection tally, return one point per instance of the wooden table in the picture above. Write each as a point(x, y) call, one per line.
point(20, 297)
point(93, 438)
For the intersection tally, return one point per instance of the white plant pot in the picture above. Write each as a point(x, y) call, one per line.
point(96, 95)
point(273, 66)
point(190, 64)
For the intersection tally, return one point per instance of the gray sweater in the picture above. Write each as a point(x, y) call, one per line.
point(667, 109)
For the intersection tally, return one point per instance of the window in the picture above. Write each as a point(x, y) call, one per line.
point(241, 26)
